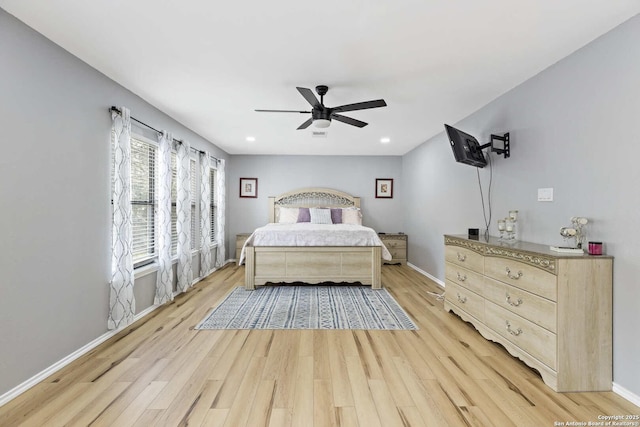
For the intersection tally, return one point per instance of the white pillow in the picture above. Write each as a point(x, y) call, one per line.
point(320, 216)
point(288, 215)
point(351, 216)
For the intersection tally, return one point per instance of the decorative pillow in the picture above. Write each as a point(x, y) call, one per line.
point(304, 215)
point(288, 215)
point(320, 215)
point(336, 215)
point(351, 216)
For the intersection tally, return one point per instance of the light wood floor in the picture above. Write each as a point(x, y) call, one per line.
point(160, 371)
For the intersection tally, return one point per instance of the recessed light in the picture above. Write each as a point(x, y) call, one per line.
point(385, 140)
point(251, 138)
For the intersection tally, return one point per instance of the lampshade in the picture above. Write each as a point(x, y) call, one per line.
point(321, 123)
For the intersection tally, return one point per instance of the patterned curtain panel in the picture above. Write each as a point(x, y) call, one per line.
point(164, 286)
point(183, 207)
point(220, 238)
point(205, 214)
point(122, 304)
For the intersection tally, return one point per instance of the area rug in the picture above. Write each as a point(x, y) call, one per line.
point(308, 307)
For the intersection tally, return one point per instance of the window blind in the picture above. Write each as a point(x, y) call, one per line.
point(143, 161)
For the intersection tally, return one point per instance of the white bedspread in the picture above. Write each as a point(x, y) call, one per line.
point(306, 234)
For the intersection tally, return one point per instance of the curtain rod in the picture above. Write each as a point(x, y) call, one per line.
point(117, 110)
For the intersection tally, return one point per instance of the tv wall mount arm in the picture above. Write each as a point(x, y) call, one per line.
point(505, 150)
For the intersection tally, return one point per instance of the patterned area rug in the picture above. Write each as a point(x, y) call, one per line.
point(308, 307)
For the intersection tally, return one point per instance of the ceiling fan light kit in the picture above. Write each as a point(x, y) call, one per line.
point(321, 115)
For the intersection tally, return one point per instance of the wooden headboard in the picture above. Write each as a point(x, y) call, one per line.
point(310, 198)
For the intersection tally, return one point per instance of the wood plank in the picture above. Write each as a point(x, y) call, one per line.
point(160, 371)
point(364, 404)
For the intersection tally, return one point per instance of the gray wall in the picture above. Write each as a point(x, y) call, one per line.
point(568, 131)
point(574, 128)
point(279, 174)
point(54, 190)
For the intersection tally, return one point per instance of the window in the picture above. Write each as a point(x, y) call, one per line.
point(143, 204)
point(214, 204)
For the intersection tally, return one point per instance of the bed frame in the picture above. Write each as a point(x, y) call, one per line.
point(312, 264)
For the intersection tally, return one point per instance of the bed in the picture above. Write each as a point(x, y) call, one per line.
point(289, 257)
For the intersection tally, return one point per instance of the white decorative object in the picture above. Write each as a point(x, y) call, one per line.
point(577, 230)
point(502, 226)
point(508, 224)
point(122, 304)
point(164, 281)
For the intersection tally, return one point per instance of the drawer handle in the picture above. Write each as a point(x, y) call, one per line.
point(461, 278)
point(514, 277)
point(462, 299)
point(461, 258)
point(511, 331)
point(511, 303)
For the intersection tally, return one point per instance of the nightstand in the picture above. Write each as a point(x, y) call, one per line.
point(240, 239)
point(397, 245)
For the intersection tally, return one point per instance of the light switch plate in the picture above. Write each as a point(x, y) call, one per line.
point(545, 194)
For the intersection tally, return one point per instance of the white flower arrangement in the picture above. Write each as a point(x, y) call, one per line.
point(577, 230)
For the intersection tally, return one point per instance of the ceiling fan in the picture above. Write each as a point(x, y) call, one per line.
point(321, 116)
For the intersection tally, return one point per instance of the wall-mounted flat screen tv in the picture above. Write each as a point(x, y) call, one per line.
point(466, 149)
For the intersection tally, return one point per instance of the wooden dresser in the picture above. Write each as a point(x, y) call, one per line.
point(551, 310)
point(397, 246)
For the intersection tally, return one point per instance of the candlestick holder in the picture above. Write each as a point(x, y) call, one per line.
point(507, 227)
point(502, 226)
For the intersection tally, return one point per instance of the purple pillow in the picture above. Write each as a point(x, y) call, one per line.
point(336, 216)
point(304, 215)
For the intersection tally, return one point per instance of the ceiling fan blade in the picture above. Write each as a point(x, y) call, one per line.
point(282, 111)
point(305, 124)
point(309, 96)
point(348, 120)
point(360, 106)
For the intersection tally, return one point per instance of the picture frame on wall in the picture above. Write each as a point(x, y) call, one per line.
point(249, 187)
point(384, 188)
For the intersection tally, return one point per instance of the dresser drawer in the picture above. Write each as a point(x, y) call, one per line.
point(463, 298)
point(464, 257)
point(464, 277)
point(538, 310)
point(521, 275)
point(531, 338)
point(394, 243)
point(398, 253)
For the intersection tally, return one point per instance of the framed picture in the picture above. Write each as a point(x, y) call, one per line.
point(249, 187)
point(384, 188)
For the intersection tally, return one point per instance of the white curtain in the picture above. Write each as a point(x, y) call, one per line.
point(205, 214)
point(164, 285)
point(122, 304)
point(220, 221)
point(183, 224)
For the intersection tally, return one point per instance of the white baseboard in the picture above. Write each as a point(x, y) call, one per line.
point(626, 394)
point(424, 273)
point(21, 388)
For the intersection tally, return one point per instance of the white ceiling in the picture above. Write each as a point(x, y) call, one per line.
point(209, 64)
